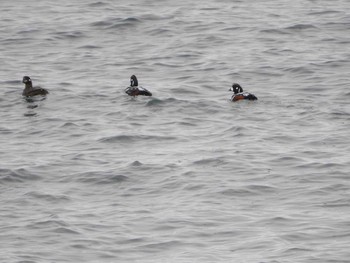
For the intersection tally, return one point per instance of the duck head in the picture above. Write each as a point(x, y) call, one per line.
point(26, 80)
point(236, 88)
point(133, 81)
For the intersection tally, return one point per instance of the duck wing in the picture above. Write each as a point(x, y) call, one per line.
point(250, 96)
point(35, 92)
point(144, 92)
point(131, 91)
point(136, 91)
point(243, 96)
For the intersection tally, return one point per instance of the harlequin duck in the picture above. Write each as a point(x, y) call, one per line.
point(239, 94)
point(135, 90)
point(30, 91)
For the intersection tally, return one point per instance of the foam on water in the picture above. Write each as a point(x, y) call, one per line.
point(89, 174)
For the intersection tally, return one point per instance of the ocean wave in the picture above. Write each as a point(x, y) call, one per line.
point(180, 123)
point(64, 230)
point(47, 197)
point(231, 28)
point(327, 12)
point(288, 30)
point(99, 177)
point(11, 82)
point(160, 246)
point(4, 130)
point(262, 189)
point(212, 162)
point(29, 31)
point(299, 27)
point(168, 64)
point(159, 32)
point(299, 70)
point(68, 34)
point(113, 23)
point(161, 102)
point(275, 31)
point(20, 175)
point(97, 4)
point(239, 192)
point(136, 163)
point(16, 40)
point(90, 47)
point(52, 222)
point(134, 138)
point(343, 26)
point(340, 114)
point(155, 17)
point(338, 203)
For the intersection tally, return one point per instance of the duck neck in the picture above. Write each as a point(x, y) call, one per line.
point(28, 85)
point(28, 88)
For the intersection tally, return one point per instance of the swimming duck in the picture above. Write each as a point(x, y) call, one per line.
point(30, 91)
point(239, 94)
point(135, 90)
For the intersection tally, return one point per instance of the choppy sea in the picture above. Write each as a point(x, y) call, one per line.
point(89, 174)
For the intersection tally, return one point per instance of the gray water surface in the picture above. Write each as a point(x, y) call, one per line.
point(88, 174)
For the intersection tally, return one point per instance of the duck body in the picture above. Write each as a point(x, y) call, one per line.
point(135, 90)
point(240, 95)
point(243, 96)
point(30, 91)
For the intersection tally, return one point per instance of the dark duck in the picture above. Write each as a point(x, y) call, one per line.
point(30, 91)
point(135, 89)
point(239, 94)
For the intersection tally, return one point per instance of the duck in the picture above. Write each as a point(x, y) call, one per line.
point(135, 90)
point(239, 94)
point(30, 91)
